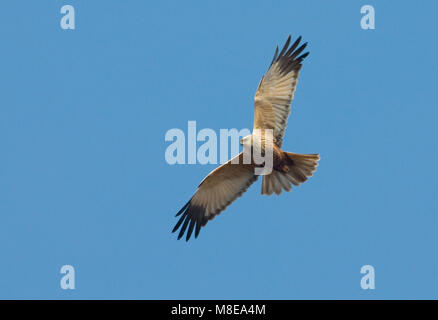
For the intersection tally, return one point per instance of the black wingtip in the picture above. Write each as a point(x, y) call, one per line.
point(286, 45)
point(299, 50)
point(198, 228)
point(275, 56)
point(192, 219)
point(183, 228)
point(190, 230)
point(291, 56)
point(178, 223)
point(303, 56)
point(183, 208)
point(290, 53)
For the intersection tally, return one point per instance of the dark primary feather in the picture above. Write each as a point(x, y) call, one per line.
point(286, 45)
point(294, 46)
point(289, 57)
point(275, 56)
point(193, 215)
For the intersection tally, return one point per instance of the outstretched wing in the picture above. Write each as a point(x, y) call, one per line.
point(276, 89)
point(218, 190)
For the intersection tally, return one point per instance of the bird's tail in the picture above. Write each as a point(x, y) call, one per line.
point(298, 169)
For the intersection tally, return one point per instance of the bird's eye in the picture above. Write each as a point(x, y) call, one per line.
point(241, 141)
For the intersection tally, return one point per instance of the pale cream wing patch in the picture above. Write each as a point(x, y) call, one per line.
point(218, 190)
point(276, 90)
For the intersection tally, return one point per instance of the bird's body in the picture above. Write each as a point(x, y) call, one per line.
point(257, 145)
point(271, 111)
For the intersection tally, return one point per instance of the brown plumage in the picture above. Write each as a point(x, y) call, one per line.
point(271, 111)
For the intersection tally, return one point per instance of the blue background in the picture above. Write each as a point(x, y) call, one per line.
point(83, 179)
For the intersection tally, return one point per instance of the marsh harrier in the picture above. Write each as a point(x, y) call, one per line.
point(271, 110)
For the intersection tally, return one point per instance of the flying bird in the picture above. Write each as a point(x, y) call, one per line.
point(271, 110)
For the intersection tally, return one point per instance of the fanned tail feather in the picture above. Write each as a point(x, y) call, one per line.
point(302, 166)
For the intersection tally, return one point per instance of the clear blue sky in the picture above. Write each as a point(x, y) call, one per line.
point(83, 179)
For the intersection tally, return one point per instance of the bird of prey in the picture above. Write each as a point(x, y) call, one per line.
point(271, 110)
